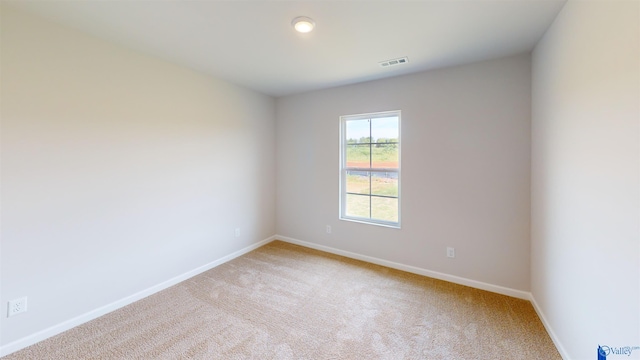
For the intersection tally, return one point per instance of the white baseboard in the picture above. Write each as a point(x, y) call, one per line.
point(550, 331)
point(66, 325)
point(413, 269)
point(81, 319)
point(441, 276)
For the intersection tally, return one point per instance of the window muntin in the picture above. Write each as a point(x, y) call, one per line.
point(370, 168)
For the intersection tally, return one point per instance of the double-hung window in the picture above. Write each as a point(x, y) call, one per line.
point(370, 168)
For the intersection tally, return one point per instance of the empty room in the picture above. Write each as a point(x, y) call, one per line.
point(320, 179)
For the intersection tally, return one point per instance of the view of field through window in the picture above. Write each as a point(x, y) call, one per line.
point(371, 168)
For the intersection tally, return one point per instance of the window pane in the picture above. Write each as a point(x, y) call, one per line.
point(370, 168)
point(384, 209)
point(384, 129)
point(384, 156)
point(358, 155)
point(385, 184)
point(358, 182)
point(357, 205)
point(358, 131)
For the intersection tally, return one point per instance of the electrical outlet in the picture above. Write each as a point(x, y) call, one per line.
point(17, 306)
point(451, 252)
point(237, 232)
point(328, 229)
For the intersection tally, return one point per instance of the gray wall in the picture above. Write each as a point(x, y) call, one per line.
point(119, 172)
point(465, 170)
point(586, 177)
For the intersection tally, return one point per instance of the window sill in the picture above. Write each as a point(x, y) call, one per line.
point(392, 226)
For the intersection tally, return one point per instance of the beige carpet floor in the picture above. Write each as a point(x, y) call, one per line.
point(284, 301)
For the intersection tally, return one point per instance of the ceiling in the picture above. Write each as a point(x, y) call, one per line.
point(252, 43)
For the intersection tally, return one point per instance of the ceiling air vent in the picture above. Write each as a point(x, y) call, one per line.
point(394, 62)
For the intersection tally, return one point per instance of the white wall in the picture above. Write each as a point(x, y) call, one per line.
point(119, 171)
point(586, 177)
point(465, 163)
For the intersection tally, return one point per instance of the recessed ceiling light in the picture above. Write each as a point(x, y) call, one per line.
point(303, 24)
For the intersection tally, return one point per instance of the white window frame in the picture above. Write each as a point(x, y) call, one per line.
point(344, 168)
